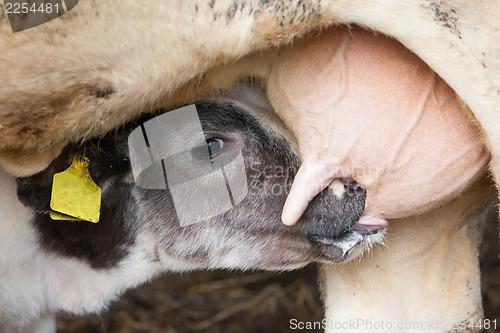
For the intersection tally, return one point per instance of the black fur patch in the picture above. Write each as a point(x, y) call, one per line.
point(102, 244)
point(445, 16)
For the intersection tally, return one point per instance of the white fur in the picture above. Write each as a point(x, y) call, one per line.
point(338, 188)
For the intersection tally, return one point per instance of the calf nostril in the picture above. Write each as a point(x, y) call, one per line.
point(360, 190)
point(352, 187)
point(349, 182)
point(351, 191)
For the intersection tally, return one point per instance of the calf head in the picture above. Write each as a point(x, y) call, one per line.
point(249, 235)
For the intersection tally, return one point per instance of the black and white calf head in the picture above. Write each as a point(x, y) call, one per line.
point(249, 235)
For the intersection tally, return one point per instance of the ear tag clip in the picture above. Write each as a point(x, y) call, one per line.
point(75, 196)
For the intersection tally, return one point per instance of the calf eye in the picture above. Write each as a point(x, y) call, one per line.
point(213, 147)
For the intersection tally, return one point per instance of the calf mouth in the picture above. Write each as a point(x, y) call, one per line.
point(352, 233)
point(350, 245)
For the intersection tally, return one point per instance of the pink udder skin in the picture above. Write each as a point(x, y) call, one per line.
point(362, 106)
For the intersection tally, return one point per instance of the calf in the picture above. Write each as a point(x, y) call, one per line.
point(78, 266)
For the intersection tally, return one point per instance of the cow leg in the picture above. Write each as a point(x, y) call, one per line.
point(428, 274)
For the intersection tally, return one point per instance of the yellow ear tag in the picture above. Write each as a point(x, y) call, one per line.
point(74, 193)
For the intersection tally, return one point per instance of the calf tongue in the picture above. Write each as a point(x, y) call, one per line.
point(362, 106)
point(368, 224)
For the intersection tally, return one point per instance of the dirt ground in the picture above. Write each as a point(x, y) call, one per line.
point(213, 302)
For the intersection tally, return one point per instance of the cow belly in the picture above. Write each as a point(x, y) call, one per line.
point(362, 106)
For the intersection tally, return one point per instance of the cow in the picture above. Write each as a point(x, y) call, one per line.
point(95, 82)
